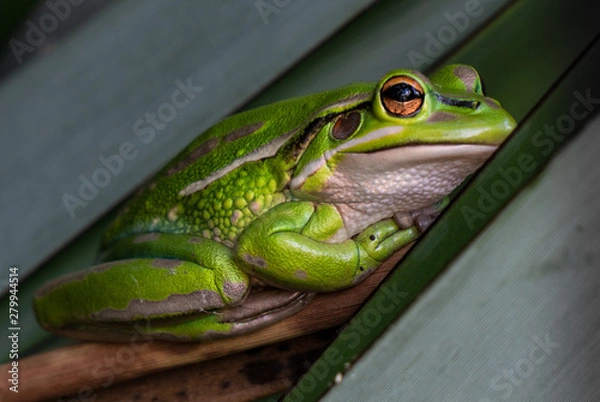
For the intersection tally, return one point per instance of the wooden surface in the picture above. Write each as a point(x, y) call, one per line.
point(515, 317)
point(87, 366)
point(243, 376)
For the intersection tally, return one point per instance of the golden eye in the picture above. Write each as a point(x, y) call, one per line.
point(402, 96)
point(346, 125)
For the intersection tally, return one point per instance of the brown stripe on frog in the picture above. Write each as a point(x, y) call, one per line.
point(195, 240)
point(491, 103)
point(266, 151)
point(469, 77)
point(300, 274)
point(440, 117)
point(356, 99)
point(175, 304)
point(247, 317)
point(146, 237)
point(166, 263)
point(243, 132)
point(293, 148)
point(204, 148)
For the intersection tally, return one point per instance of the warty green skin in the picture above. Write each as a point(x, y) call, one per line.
point(273, 194)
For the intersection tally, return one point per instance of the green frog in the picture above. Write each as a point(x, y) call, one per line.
point(303, 196)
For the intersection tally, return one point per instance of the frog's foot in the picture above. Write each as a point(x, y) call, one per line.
point(379, 242)
point(421, 218)
point(263, 307)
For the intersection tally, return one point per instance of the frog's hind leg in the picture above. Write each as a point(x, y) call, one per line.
point(229, 280)
point(117, 294)
point(262, 308)
point(156, 299)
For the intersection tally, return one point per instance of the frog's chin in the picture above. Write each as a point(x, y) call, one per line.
point(369, 187)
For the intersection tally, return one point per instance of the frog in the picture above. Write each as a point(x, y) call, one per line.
point(274, 205)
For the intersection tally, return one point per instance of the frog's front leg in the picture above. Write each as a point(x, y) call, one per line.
point(288, 247)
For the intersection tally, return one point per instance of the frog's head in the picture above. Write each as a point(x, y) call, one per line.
point(409, 145)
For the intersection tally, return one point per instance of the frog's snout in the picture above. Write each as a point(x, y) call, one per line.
point(508, 123)
point(501, 122)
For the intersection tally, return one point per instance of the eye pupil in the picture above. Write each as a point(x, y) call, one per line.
point(401, 92)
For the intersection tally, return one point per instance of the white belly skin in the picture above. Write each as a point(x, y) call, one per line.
point(367, 188)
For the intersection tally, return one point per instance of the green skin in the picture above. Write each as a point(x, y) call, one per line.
point(306, 195)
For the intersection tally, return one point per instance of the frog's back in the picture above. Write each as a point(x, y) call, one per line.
point(173, 201)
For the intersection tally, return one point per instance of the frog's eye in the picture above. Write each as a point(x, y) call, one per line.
point(346, 125)
point(402, 96)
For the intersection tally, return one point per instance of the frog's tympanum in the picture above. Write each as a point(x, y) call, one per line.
point(306, 195)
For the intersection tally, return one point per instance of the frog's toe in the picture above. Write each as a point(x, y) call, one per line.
point(421, 218)
point(404, 220)
point(235, 291)
point(263, 307)
point(423, 222)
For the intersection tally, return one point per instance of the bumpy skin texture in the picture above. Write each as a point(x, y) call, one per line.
point(222, 210)
point(300, 194)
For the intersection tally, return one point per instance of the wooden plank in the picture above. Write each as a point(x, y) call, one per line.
point(243, 376)
point(95, 94)
point(516, 316)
